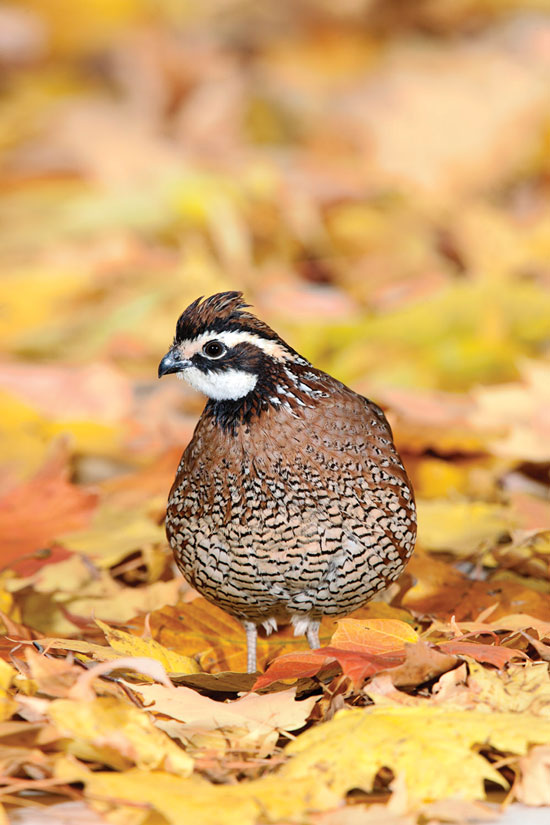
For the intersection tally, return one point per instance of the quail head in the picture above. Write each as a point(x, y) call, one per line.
point(290, 502)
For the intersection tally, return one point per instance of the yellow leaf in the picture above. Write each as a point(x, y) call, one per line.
point(348, 751)
point(26, 434)
point(460, 527)
point(97, 24)
point(331, 759)
point(436, 478)
point(115, 534)
point(519, 688)
point(23, 436)
point(373, 635)
point(7, 705)
point(130, 645)
point(116, 734)
point(51, 292)
point(197, 801)
point(192, 800)
point(100, 596)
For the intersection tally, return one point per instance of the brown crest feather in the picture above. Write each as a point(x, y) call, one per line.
point(222, 311)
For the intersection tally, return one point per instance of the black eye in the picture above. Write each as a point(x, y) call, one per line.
point(213, 349)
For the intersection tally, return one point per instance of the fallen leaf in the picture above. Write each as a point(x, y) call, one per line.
point(533, 786)
point(528, 554)
point(372, 636)
point(62, 813)
point(361, 648)
point(142, 665)
point(442, 591)
point(114, 534)
point(422, 663)
point(130, 645)
point(252, 722)
point(7, 705)
point(198, 627)
point(460, 527)
point(518, 412)
point(348, 751)
point(99, 596)
point(95, 392)
point(357, 665)
point(489, 654)
point(195, 799)
point(57, 506)
point(114, 733)
point(519, 689)
point(512, 622)
point(52, 677)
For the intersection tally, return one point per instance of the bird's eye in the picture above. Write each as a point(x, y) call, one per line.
point(213, 349)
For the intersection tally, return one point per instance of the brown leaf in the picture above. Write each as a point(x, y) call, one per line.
point(443, 591)
point(488, 654)
point(423, 662)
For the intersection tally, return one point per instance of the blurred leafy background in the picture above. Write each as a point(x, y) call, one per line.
point(374, 175)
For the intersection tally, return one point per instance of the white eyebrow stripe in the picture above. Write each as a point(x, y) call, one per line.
point(231, 338)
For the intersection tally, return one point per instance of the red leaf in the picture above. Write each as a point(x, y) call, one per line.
point(28, 565)
point(35, 512)
point(356, 665)
point(489, 654)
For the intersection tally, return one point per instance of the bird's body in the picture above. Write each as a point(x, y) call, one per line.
point(290, 502)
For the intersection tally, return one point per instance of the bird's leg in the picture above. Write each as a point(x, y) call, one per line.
point(251, 639)
point(312, 635)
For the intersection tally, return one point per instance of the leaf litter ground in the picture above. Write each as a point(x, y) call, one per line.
point(412, 265)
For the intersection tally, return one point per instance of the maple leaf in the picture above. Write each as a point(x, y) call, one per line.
point(130, 645)
point(117, 734)
point(35, 512)
point(394, 737)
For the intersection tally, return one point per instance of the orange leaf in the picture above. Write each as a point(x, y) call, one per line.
point(33, 513)
point(488, 654)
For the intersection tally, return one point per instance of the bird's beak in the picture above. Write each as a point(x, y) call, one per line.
point(172, 363)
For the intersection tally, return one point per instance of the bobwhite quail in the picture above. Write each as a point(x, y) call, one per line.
point(290, 502)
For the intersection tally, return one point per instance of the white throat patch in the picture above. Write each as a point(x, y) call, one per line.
point(226, 385)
